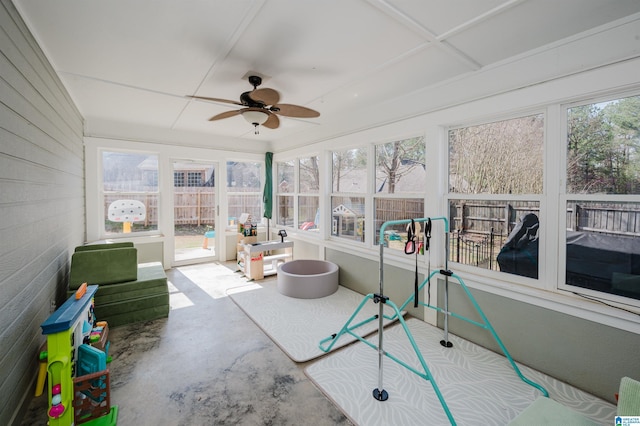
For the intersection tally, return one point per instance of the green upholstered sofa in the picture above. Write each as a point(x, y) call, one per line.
point(128, 292)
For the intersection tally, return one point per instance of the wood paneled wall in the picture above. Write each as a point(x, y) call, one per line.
point(42, 212)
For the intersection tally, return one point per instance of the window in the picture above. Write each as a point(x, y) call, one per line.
point(309, 203)
point(309, 213)
point(309, 175)
point(495, 186)
point(190, 178)
point(499, 235)
point(195, 178)
point(131, 180)
point(347, 217)
point(244, 189)
point(602, 209)
point(178, 179)
point(399, 189)
point(349, 175)
point(285, 186)
point(298, 199)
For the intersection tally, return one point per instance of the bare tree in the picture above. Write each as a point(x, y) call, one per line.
point(345, 162)
point(309, 174)
point(505, 157)
point(397, 159)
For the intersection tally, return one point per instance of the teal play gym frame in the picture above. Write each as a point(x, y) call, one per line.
point(379, 393)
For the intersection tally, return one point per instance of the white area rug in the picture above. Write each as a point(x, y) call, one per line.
point(298, 325)
point(479, 386)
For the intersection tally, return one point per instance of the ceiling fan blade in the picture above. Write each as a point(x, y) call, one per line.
point(296, 111)
point(225, 101)
point(226, 114)
point(273, 122)
point(266, 96)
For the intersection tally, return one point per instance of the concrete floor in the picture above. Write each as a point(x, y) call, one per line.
point(207, 364)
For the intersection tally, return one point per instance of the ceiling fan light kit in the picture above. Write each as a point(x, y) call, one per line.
point(261, 107)
point(255, 117)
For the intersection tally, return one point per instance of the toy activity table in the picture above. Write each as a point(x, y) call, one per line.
point(66, 330)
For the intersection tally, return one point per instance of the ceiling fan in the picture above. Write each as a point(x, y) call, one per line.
point(261, 107)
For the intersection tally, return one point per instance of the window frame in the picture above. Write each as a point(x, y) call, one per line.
point(289, 195)
point(257, 193)
point(317, 227)
point(540, 199)
point(394, 248)
point(102, 231)
point(294, 195)
point(564, 198)
point(363, 194)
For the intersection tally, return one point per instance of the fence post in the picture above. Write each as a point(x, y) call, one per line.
point(507, 218)
point(146, 207)
point(476, 246)
point(491, 250)
point(198, 212)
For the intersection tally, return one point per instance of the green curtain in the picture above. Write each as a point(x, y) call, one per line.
point(267, 194)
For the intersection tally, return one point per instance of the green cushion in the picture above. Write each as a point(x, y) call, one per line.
point(104, 266)
point(122, 307)
point(151, 281)
point(140, 315)
point(144, 299)
point(629, 397)
point(546, 411)
point(133, 310)
point(104, 246)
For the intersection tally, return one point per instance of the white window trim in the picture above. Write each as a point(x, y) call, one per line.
point(550, 290)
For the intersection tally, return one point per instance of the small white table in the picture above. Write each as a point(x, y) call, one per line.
point(255, 265)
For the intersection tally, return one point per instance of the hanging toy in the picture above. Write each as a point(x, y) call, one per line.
point(410, 248)
point(410, 245)
point(427, 240)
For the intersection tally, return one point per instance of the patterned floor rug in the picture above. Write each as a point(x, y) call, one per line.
point(479, 386)
point(298, 325)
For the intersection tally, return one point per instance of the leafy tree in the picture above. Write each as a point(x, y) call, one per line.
point(586, 152)
point(624, 116)
point(602, 147)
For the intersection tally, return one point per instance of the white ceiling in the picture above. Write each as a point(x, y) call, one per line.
point(128, 64)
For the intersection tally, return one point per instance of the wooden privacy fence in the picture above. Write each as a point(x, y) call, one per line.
point(398, 209)
point(603, 218)
point(478, 230)
point(192, 206)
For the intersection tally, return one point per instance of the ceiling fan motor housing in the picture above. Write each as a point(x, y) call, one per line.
point(255, 80)
point(246, 100)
